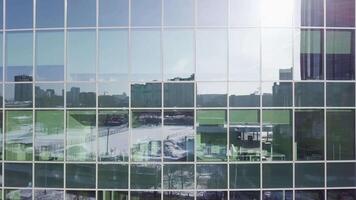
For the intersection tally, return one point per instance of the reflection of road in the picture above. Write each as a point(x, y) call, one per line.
point(113, 141)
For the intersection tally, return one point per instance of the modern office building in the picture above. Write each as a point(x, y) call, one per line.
point(177, 99)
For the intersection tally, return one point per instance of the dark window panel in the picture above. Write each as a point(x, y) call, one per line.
point(146, 176)
point(277, 175)
point(237, 195)
point(111, 195)
point(178, 195)
point(138, 195)
point(112, 176)
point(146, 95)
point(18, 174)
point(341, 174)
point(80, 175)
point(340, 13)
point(340, 94)
point(211, 176)
point(49, 14)
point(49, 194)
point(277, 94)
point(211, 195)
point(179, 94)
point(244, 176)
point(309, 175)
point(79, 194)
point(113, 13)
point(178, 176)
point(277, 194)
point(309, 94)
point(341, 193)
point(19, 14)
point(312, 12)
point(81, 13)
point(49, 175)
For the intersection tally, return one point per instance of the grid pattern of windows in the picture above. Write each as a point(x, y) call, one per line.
point(177, 99)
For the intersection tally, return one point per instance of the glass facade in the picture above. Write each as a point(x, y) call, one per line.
point(177, 99)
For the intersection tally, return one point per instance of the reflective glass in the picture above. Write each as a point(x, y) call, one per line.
point(340, 55)
point(49, 175)
point(18, 175)
point(211, 138)
point(245, 13)
point(113, 176)
point(80, 175)
point(146, 135)
point(277, 195)
point(276, 94)
point(111, 195)
point(309, 134)
point(277, 53)
point(178, 133)
point(113, 54)
point(113, 94)
point(81, 95)
point(18, 135)
point(178, 12)
point(178, 54)
point(244, 54)
point(81, 54)
point(277, 129)
point(312, 12)
point(243, 94)
point(113, 135)
point(19, 57)
point(340, 94)
point(146, 176)
point(308, 54)
point(237, 195)
point(178, 176)
point(343, 193)
point(145, 54)
point(49, 95)
point(81, 135)
point(113, 13)
point(340, 13)
point(146, 95)
point(245, 135)
point(212, 13)
point(211, 94)
point(309, 94)
point(277, 12)
point(18, 95)
point(211, 54)
point(49, 56)
point(179, 94)
point(340, 132)
point(14, 20)
point(277, 175)
point(81, 13)
point(80, 194)
point(244, 176)
point(49, 14)
point(341, 174)
point(309, 175)
point(211, 176)
point(49, 135)
point(178, 195)
point(1, 53)
point(145, 12)
point(149, 195)
point(211, 195)
point(49, 194)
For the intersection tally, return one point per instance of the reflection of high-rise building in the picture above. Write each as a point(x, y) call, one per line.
point(146, 94)
point(23, 92)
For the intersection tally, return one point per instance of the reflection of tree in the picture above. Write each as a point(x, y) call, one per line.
point(179, 176)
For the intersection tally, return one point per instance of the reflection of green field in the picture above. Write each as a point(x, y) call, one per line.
point(211, 117)
point(50, 121)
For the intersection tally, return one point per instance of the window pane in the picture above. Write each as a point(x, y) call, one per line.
point(309, 134)
point(49, 95)
point(179, 12)
point(178, 55)
point(212, 176)
point(19, 49)
point(14, 20)
point(309, 94)
point(178, 176)
point(112, 176)
point(340, 131)
point(244, 176)
point(146, 55)
point(81, 54)
point(343, 193)
point(245, 13)
point(340, 55)
point(278, 129)
point(179, 94)
point(277, 175)
point(340, 13)
point(277, 12)
point(81, 13)
point(244, 54)
point(211, 138)
point(237, 195)
point(81, 95)
point(277, 194)
point(308, 55)
point(50, 56)
point(48, 194)
point(212, 13)
point(211, 54)
point(312, 12)
point(145, 176)
point(80, 175)
point(105, 195)
point(150, 195)
point(211, 94)
point(113, 55)
point(244, 94)
point(49, 14)
point(341, 174)
point(178, 135)
point(245, 135)
point(309, 175)
point(178, 195)
point(113, 135)
point(340, 94)
point(146, 13)
point(146, 95)
point(277, 94)
point(49, 135)
point(49, 175)
point(113, 12)
point(18, 135)
point(18, 174)
point(146, 135)
point(113, 94)
point(81, 142)
point(211, 195)
point(75, 194)
point(18, 95)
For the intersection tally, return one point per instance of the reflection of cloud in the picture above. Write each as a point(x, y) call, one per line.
point(181, 65)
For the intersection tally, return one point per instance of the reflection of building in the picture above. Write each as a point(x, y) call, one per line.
point(146, 94)
point(23, 92)
point(77, 98)
point(114, 100)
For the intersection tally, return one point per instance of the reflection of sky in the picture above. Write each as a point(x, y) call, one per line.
point(145, 134)
point(50, 48)
point(56, 87)
point(179, 12)
point(212, 12)
point(84, 87)
point(211, 88)
point(113, 88)
point(243, 88)
point(244, 12)
point(19, 49)
point(277, 12)
point(145, 12)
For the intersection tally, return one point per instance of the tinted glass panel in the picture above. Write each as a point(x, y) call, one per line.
point(312, 12)
point(14, 20)
point(212, 13)
point(75, 194)
point(244, 13)
point(112, 176)
point(48, 194)
point(341, 174)
point(80, 175)
point(244, 176)
point(277, 175)
point(49, 14)
point(49, 175)
point(336, 194)
point(81, 13)
point(81, 95)
point(244, 94)
point(18, 174)
point(110, 195)
point(178, 176)
point(340, 94)
point(18, 95)
point(113, 94)
point(179, 94)
point(145, 176)
point(146, 95)
point(113, 12)
point(211, 94)
point(309, 94)
point(277, 94)
point(179, 12)
point(309, 175)
point(178, 195)
point(237, 195)
point(340, 13)
point(213, 176)
point(277, 194)
point(146, 12)
point(154, 195)
point(49, 95)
